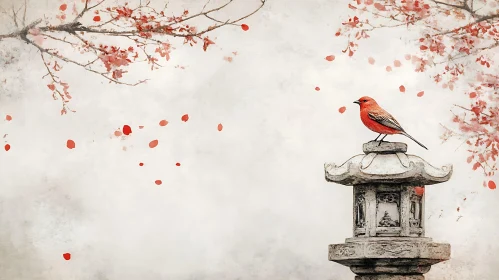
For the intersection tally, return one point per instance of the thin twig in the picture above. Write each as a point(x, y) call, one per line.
point(24, 13)
point(464, 108)
point(65, 59)
point(86, 9)
point(14, 16)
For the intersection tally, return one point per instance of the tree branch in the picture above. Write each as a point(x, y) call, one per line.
point(143, 25)
point(86, 9)
point(464, 108)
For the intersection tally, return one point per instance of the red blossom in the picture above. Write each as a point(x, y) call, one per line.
point(66, 256)
point(442, 48)
point(153, 144)
point(131, 32)
point(113, 57)
point(70, 144)
point(206, 43)
point(127, 129)
point(379, 6)
point(164, 50)
point(163, 122)
point(492, 185)
point(419, 190)
point(330, 58)
point(118, 73)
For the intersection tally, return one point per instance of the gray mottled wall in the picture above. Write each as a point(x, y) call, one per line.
point(249, 202)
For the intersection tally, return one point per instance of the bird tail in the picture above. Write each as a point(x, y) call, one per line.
point(412, 138)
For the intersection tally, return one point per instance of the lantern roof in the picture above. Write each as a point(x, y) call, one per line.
point(386, 162)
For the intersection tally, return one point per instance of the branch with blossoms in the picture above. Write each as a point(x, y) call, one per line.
point(90, 25)
point(459, 38)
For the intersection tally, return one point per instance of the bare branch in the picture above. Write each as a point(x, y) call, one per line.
point(464, 6)
point(86, 9)
point(449, 5)
point(60, 40)
point(24, 13)
point(7, 13)
point(464, 108)
point(14, 16)
point(206, 4)
point(54, 79)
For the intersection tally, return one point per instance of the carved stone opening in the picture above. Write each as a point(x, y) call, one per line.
point(415, 218)
point(388, 209)
point(360, 210)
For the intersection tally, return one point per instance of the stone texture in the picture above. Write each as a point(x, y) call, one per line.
point(409, 251)
point(407, 215)
point(388, 213)
point(389, 255)
point(386, 165)
point(384, 147)
point(389, 269)
point(389, 277)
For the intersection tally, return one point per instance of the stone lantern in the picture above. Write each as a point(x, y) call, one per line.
point(388, 240)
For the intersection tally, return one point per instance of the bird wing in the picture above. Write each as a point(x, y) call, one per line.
point(385, 119)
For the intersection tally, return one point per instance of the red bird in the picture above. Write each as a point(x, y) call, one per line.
point(379, 120)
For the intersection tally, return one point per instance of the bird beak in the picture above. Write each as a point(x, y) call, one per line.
point(357, 102)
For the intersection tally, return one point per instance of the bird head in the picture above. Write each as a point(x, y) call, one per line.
point(365, 101)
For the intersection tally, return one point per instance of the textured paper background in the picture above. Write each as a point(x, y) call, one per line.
point(249, 202)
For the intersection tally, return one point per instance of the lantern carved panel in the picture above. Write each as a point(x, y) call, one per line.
point(386, 210)
point(360, 210)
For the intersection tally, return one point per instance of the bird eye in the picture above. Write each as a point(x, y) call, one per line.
point(364, 100)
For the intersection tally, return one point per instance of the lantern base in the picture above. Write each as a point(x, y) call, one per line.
point(389, 258)
point(390, 277)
